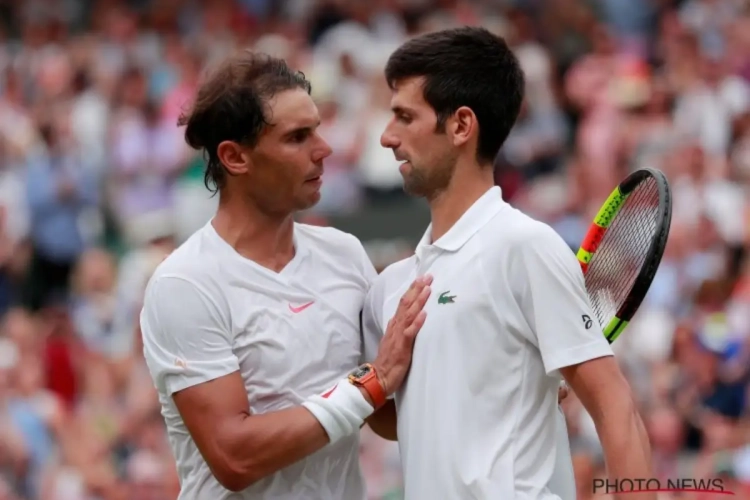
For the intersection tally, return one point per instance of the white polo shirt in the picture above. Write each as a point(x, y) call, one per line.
point(477, 414)
point(209, 312)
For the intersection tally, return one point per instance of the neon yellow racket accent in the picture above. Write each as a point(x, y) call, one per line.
point(584, 255)
point(610, 208)
point(615, 327)
point(591, 242)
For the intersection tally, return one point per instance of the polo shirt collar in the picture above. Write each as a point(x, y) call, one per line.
point(474, 219)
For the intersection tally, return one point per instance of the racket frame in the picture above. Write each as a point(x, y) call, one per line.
point(603, 220)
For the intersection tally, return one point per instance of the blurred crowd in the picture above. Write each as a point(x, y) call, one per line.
point(97, 185)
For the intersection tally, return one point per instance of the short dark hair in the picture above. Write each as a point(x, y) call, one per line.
point(466, 66)
point(230, 106)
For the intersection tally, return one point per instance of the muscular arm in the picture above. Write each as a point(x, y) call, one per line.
point(606, 395)
point(190, 356)
point(241, 448)
point(188, 349)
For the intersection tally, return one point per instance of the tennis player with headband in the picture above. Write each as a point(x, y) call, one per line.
point(251, 328)
point(507, 319)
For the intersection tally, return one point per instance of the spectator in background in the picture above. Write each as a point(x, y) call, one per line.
point(588, 86)
point(378, 167)
point(535, 145)
point(93, 303)
point(341, 192)
point(708, 19)
point(62, 188)
point(89, 115)
point(706, 111)
point(124, 347)
point(147, 156)
point(6, 253)
point(13, 199)
point(14, 453)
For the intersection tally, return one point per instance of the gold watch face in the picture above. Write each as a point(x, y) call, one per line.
point(360, 372)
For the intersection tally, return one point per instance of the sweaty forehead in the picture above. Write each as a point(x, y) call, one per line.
point(292, 109)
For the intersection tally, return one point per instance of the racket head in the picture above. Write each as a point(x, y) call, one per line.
point(646, 190)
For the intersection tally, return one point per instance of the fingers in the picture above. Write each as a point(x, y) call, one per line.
point(394, 356)
point(416, 288)
point(410, 331)
point(411, 305)
point(413, 293)
point(407, 297)
point(417, 305)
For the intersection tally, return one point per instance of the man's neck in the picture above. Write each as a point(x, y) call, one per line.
point(265, 239)
point(449, 205)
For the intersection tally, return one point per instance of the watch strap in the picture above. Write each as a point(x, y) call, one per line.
point(371, 384)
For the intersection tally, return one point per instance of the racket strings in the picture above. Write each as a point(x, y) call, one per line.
point(622, 253)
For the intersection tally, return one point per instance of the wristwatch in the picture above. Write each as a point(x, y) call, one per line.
point(366, 377)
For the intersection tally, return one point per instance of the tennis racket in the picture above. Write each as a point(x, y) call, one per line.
point(623, 248)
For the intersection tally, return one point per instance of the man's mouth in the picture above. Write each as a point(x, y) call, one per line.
point(401, 160)
point(315, 178)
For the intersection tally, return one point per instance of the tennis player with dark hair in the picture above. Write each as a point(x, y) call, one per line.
point(251, 328)
point(507, 319)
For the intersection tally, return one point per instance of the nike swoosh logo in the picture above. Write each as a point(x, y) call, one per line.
point(329, 392)
point(301, 308)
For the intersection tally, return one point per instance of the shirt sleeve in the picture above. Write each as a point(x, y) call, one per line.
point(371, 322)
point(555, 303)
point(368, 269)
point(186, 340)
point(368, 323)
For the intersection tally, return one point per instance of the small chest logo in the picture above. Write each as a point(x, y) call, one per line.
point(444, 298)
point(301, 308)
point(587, 321)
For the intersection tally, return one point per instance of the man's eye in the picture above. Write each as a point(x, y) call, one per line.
point(299, 136)
point(403, 118)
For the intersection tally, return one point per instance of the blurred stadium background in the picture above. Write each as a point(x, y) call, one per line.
point(96, 185)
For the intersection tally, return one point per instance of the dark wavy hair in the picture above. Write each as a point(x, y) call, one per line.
point(230, 106)
point(470, 67)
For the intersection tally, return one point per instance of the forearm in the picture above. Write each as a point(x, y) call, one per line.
point(256, 446)
point(384, 422)
point(626, 447)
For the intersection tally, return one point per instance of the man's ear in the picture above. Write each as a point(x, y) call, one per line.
point(233, 157)
point(463, 125)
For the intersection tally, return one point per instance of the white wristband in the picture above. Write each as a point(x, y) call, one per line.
point(341, 411)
